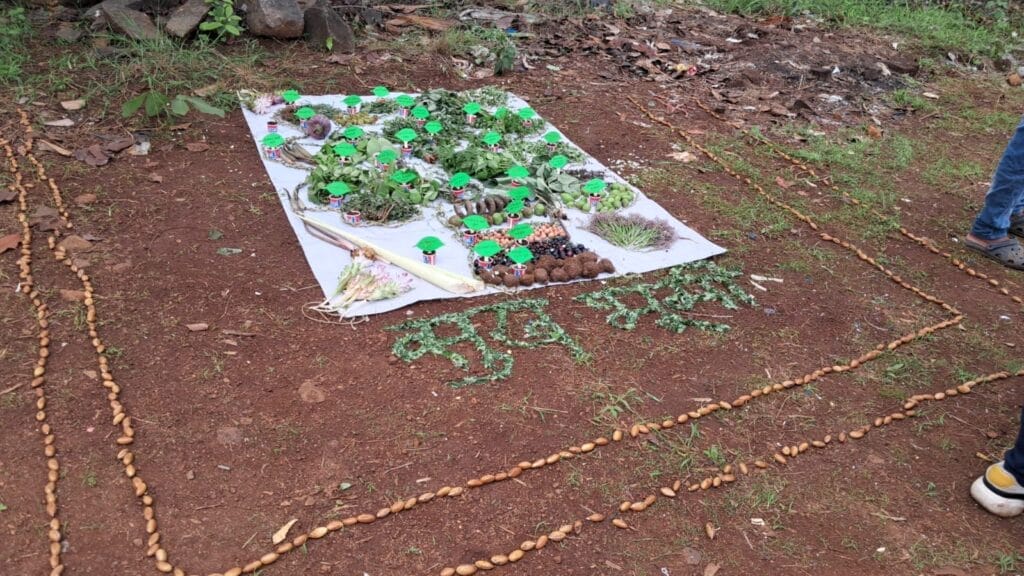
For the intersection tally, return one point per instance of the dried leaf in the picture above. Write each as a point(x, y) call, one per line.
point(62, 123)
point(93, 155)
point(154, 177)
point(199, 327)
point(179, 127)
point(685, 156)
point(425, 22)
point(9, 242)
point(206, 92)
point(197, 146)
point(710, 530)
point(711, 569)
point(72, 105)
point(7, 195)
point(782, 183)
point(282, 532)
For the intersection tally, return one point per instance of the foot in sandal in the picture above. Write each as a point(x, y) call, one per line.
point(1007, 251)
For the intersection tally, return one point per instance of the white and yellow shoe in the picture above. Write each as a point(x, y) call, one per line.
point(999, 492)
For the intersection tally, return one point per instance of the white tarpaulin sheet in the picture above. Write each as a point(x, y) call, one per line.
point(327, 260)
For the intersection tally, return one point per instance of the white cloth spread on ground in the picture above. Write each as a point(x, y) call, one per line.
point(327, 260)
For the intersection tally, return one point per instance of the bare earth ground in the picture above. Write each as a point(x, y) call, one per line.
point(231, 452)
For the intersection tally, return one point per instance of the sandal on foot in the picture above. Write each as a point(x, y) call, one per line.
point(1008, 252)
point(1017, 226)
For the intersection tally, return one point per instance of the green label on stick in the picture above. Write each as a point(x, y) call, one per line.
point(486, 248)
point(352, 101)
point(521, 231)
point(501, 113)
point(520, 255)
point(305, 113)
point(381, 92)
point(406, 135)
point(429, 243)
point(433, 127)
point(338, 189)
point(404, 176)
point(475, 222)
point(517, 172)
point(471, 109)
point(459, 180)
point(527, 114)
point(558, 162)
point(492, 138)
point(387, 156)
point(344, 149)
point(405, 101)
point(353, 133)
point(420, 112)
point(290, 96)
point(552, 137)
point(519, 193)
point(514, 207)
point(273, 140)
point(594, 187)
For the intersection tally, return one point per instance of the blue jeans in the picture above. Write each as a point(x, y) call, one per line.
point(1015, 456)
point(1006, 195)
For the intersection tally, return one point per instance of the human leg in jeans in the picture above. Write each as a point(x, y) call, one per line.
point(1003, 213)
point(1001, 489)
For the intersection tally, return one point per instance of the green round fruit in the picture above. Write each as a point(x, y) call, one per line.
point(415, 197)
point(539, 209)
point(455, 221)
point(497, 218)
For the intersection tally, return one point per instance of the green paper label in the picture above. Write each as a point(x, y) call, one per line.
point(521, 231)
point(352, 101)
point(433, 128)
point(459, 180)
point(501, 113)
point(420, 112)
point(517, 172)
point(520, 255)
point(406, 135)
point(558, 162)
point(519, 193)
point(514, 207)
point(471, 109)
point(381, 92)
point(405, 101)
point(273, 140)
point(429, 243)
point(344, 149)
point(486, 248)
point(305, 113)
point(353, 133)
point(404, 176)
point(337, 189)
point(475, 222)
point(387, 156)
point(552, 137)
point(527, 114)
point(290, 96)
point(594, 187)
point(492, 138)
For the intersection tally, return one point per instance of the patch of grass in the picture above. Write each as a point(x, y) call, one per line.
point(90, 479)
point(1007, 561)
point(716, 455)
point(936, 29)
point(950, 172)
point(14, 30)
point(163, 65)
point(611, 405)
point(904, 98)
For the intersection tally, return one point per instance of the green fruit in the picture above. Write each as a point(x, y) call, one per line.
point(582, 204)
point(415, 197)
point(567, 198)
point(539, 210)
point(455, 221)
point(527, 212)
point(430, 195)
point(497, 218)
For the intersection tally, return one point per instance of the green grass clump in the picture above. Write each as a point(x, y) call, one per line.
point(14, 29)
point(934, 28)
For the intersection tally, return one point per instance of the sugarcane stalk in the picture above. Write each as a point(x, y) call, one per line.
point(439, 277)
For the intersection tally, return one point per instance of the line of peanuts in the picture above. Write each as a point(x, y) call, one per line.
point(26, 286)
point(127, 457)
point(920, 240)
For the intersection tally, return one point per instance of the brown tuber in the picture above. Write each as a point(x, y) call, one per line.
point(606, 266)
point(510, 281)
point(559, 275)
point(540, 275)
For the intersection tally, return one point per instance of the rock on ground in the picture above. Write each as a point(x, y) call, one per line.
point(131, 23)
point(275, 18)
point(186, 18)
point(323, 22)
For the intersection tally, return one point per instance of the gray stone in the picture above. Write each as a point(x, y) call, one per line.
point(275, 18)
point(186, 18)
point(131, 23)
point(322, 22)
